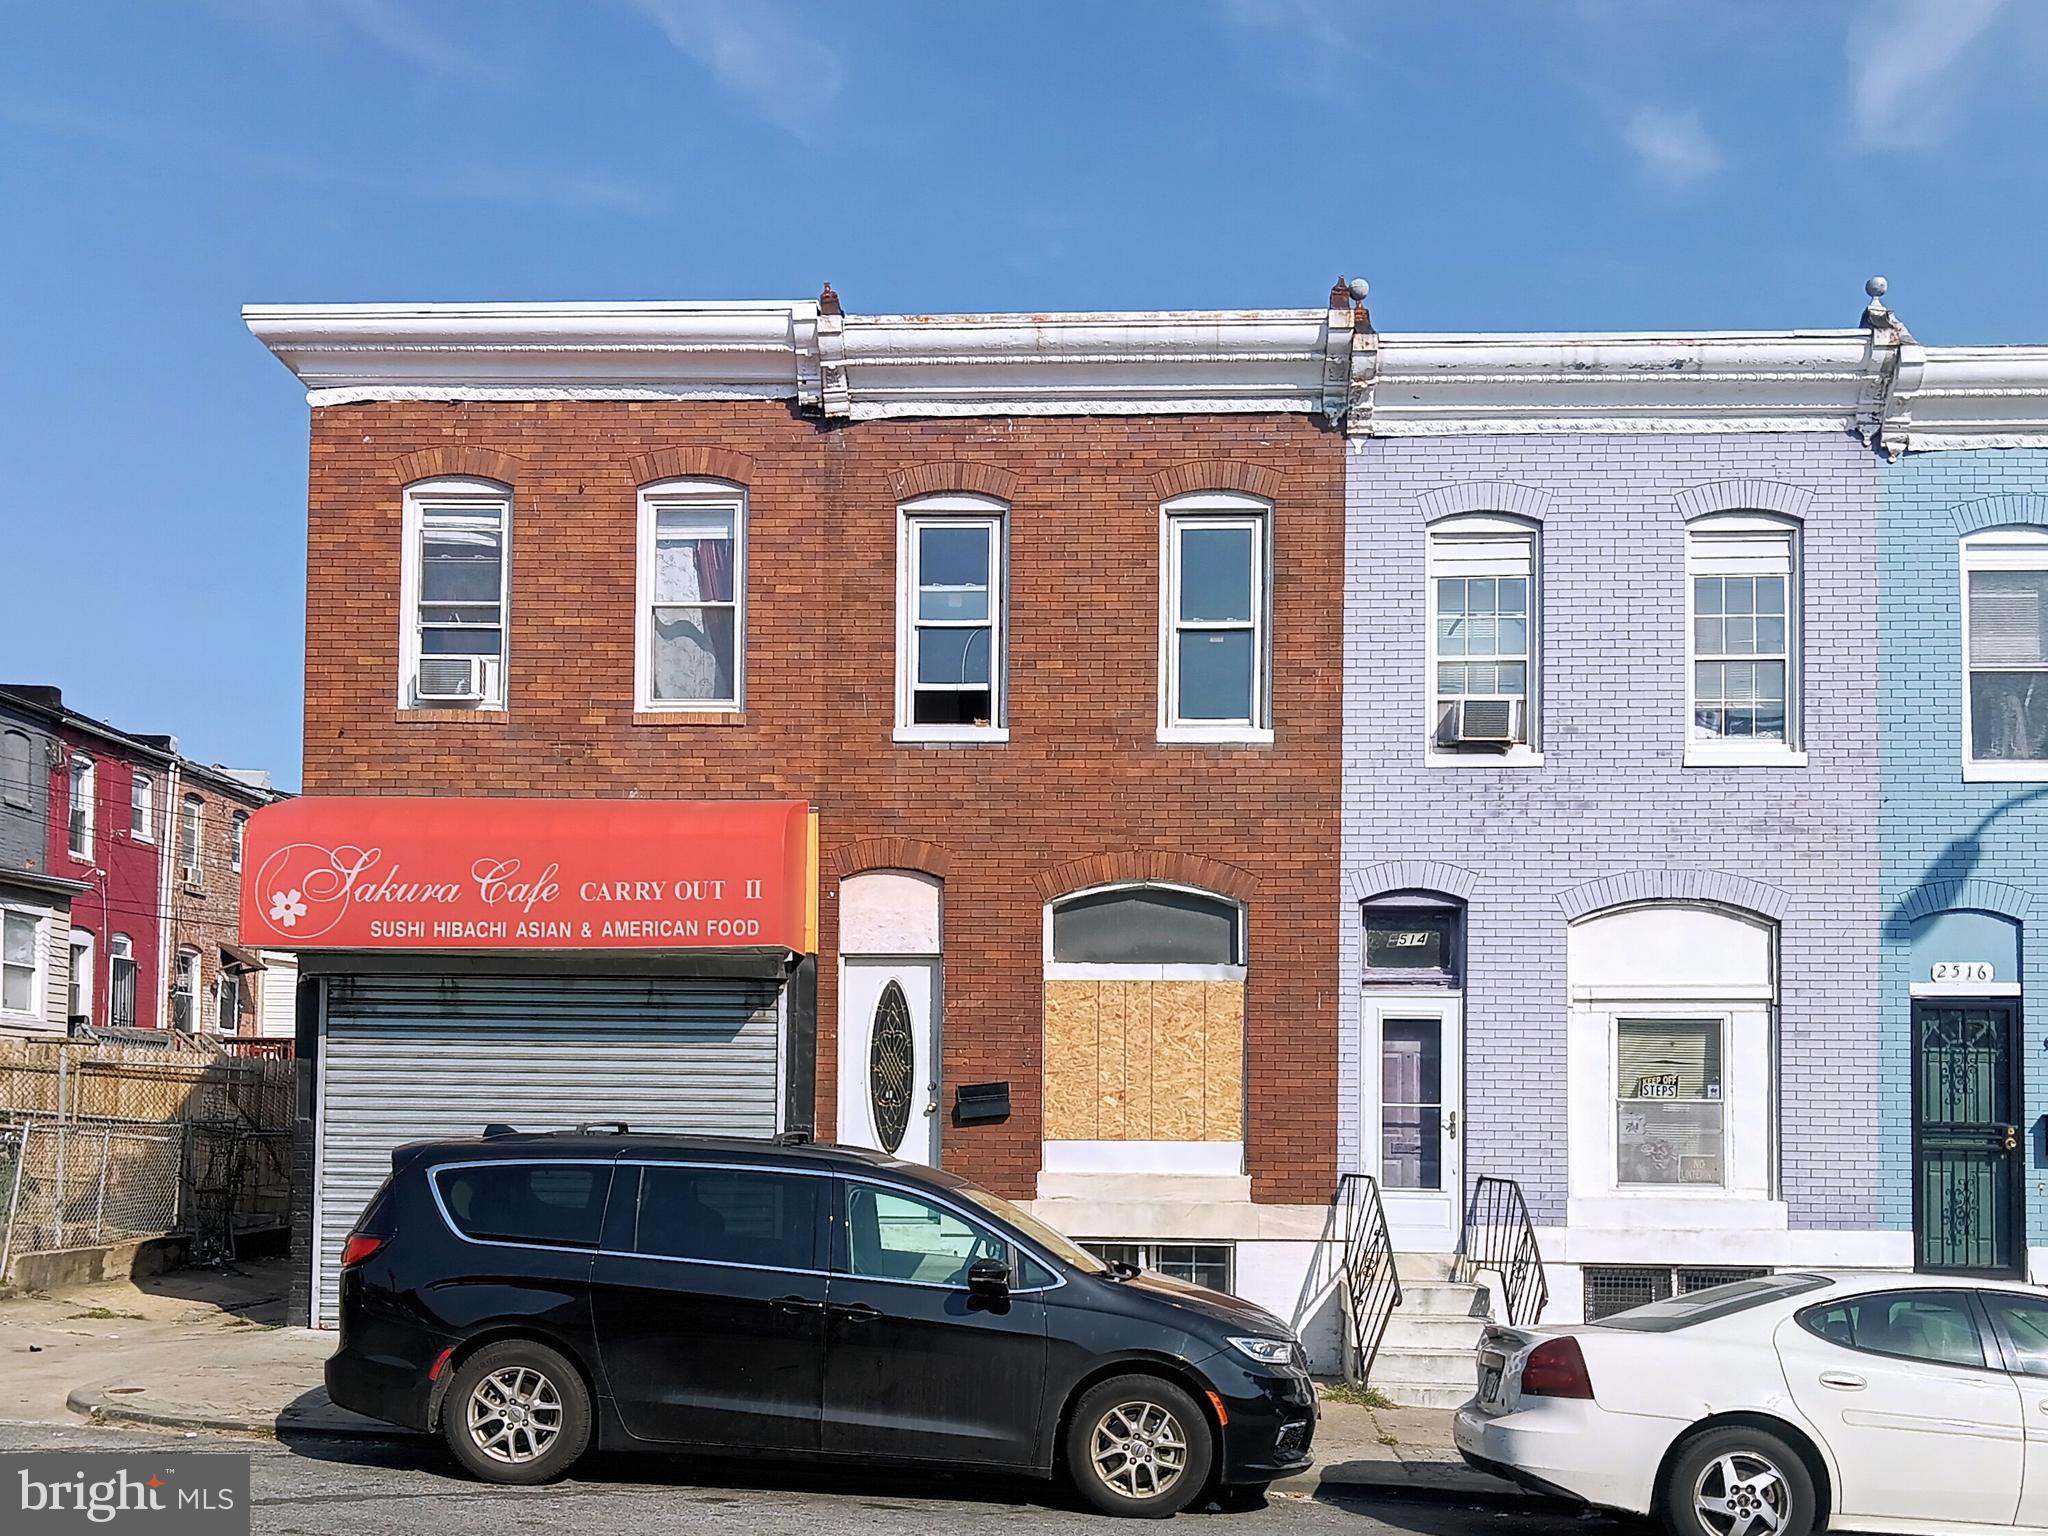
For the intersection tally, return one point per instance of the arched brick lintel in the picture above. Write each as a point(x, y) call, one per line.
point(1711, 886)
point(691, 462)
point(1969, 894)
point(941, 476)
point(1414, 875)
point(1484, 496)
point(2000, 511)
point(1745, 496)
point(1135, 866)
point(1217, 475)
point(457, 459)
point(866, 853)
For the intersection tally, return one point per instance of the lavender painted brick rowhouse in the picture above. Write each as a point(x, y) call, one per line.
point(1607, 814)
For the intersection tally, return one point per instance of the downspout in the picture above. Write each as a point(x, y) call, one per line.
point(163, 896)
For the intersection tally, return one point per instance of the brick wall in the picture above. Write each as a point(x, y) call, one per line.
point(1612, 795)
point(206, 916)
point(1082, 791)
point(122, 872)
point(1935, 828)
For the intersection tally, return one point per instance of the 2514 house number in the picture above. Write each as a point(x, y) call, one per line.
point(1961, 970)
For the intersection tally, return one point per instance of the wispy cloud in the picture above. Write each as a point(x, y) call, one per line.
point(1322, 39)
point(1904, 75)
point(528, 185)
point(1672, 147)
point(760, 51)
point(390, 25)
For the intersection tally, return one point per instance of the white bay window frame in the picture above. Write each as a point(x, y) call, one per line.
point(1484, 546)
point(1745, 545)
point(452, 496)
point(2018, 549)
point(958, 510)
point(1207, 510)
point(711, 504)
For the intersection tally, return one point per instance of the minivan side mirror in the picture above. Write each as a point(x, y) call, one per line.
point(988, 1277)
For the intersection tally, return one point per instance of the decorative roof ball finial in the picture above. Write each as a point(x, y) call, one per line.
point(1874, 313)
point(1359, 289)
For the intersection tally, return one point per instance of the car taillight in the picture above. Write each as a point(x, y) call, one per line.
point(360, 1247)
point(1556, 1368)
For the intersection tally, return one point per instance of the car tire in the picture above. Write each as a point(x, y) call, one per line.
point(516, 1412)
point(1239, 1498)
point(1720, 1476)
point(1138, 1446)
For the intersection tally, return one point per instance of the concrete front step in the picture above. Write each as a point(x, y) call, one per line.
point(1423, 1330)
point(1425, 1366)
point(1405, 1394)
point(1441, 1298)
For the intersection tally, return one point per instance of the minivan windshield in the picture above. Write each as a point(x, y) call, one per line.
point(1715, 1301)
point(1061, 1247)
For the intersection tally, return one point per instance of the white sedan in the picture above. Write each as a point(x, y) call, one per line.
point(1912, 1404)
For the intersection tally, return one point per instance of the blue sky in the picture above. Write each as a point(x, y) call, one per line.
point(1497, 164)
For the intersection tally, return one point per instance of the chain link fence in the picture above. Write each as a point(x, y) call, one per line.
point(85, 1186)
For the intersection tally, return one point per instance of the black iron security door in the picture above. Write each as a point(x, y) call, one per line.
point(1968, 1143)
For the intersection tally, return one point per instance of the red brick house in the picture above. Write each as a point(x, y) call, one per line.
point(1037, 617)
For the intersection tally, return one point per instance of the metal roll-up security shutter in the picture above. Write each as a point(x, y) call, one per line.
point(410, 1058)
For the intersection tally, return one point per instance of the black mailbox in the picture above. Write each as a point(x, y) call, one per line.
point(976, 1103)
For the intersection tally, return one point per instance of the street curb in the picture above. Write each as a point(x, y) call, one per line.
point(97, 1405)
point(1506, 1497)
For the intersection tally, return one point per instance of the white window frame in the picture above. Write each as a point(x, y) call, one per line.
point(80, 978)
point(141, 806)
point(966, 510)
point(192, 813)
point(1216, 509)
point(1728, 1103)
point(81, 789)
point(238, 829)
point(122, 947)
point(688, 495)
point(462, 492)
point(1701, 537)
point(1498, 527)
point(1082, 970)
point(1996, 549)
point(39, 979)
point(184, 956)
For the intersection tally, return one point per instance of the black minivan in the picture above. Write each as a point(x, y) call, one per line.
point(524, 1294)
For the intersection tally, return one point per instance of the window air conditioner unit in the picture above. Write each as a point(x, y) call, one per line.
point(453, 679)
point(1487, 721)
point(195, 877)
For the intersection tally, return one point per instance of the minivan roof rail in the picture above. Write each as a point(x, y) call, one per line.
point(602, 1128)
point(499, 1128)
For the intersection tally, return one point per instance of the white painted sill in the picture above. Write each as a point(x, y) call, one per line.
point(1521, 757)
point(1214, 736)
point(1699, 755)
point(926, 736)
point(2005, 773)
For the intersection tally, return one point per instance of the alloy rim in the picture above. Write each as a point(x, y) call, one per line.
point(515, 1415)
point(1139, 1450)
point(1742, 1494)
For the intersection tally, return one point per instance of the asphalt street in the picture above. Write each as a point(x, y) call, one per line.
point(326, 1487)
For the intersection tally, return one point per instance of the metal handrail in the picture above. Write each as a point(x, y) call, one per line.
point(1371, 1285)
point(1500, 1238)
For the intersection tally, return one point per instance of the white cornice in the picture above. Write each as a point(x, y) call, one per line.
point(353, 352)
point(1459, 385)
point(1967, 397)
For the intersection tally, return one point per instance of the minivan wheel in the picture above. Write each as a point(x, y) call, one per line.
point(1738, 1481)
point(516, 1412)
point(1139, 1446)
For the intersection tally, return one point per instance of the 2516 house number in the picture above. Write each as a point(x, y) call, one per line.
point(1961, 970)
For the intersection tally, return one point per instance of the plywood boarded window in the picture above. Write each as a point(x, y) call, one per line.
point(1144, 1017)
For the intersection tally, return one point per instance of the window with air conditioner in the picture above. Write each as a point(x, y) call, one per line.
point(79, 827)
point(1743, 632)
point(454, 576)
point(191, 840)
point(1484, 654)
point(951, 606)
point(1215, 664)
point(692, 641)
point(2005, 654)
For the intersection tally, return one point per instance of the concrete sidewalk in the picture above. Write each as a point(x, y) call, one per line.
point(203, 1350)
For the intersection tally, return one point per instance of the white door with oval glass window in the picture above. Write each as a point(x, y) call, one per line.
point(889, 1056)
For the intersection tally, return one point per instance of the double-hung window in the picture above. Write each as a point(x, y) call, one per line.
point(191, 839)
point(80, 826)
point(142, 806)
point(238, 832)
point(227, 1000)
point(121, 981)
point(21, 962)
point(1484, 639)
point(457, 537)
point(1216, 661)
point(693, 596)
point(1742, 580)
point(185, 992)
point(2005, 654)
point(951, 645)
point(1670, 1115)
